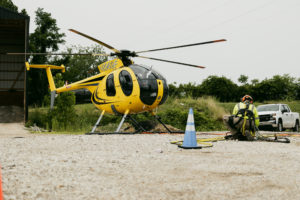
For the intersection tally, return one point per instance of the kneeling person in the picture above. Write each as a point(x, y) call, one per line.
point(243, 120)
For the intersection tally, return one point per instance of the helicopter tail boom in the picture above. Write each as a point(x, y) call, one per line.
point(48, 71)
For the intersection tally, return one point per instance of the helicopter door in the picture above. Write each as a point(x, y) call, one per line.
point(126, 82)
point(110, 86)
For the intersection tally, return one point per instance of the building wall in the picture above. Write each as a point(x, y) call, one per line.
point(13, 39)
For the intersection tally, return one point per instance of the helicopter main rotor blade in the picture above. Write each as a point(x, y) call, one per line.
point(181, 46)
point(62, 54)
point(169, 61)
point(95, 40)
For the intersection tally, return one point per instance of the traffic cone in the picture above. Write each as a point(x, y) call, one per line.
point(190, 140)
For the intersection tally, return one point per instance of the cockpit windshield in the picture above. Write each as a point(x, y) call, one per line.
point(147, 82)
point(147, 79)
point(142, 72)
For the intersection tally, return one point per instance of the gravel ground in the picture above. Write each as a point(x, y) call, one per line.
point(36, 166)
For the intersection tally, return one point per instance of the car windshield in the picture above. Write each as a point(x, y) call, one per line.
point(267, 108)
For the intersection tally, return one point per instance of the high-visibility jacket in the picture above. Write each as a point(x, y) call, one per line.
point(251, 107)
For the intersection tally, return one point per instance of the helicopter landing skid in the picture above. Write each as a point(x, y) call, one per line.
point(142, 130)
point(139, 130)
point(164, 125)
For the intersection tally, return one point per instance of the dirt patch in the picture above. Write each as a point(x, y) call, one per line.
point(13, 130)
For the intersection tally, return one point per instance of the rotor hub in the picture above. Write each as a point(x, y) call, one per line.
point(124, 54)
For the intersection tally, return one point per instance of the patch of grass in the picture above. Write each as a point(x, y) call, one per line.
point(37, 116)
point(208, 114)
point(228, 106)
point(85, 118)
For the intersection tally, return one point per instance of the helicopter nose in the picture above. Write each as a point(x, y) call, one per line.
point(165, 92)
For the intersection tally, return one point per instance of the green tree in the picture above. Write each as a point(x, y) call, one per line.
point(185, 90)
point(46, 38)
point(277, 88)
point(173, 91)
point(254, 81)
point(80, 67)
point(9, 5)
point(190, 90)
point(298, 89)
point(243, 79)
point(245, 88)
point(220, 87)
point(63, 115)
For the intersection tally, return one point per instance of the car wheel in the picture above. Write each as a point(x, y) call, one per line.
point(296, 128)
point(280, 128)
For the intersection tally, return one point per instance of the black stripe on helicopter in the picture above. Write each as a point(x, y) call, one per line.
point(95, 79)
point(99, 103)
point(98, 98)
point(94, 84)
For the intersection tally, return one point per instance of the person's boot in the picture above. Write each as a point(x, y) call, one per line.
point(250, 135)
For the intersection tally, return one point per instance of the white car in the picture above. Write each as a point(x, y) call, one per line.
point(278, 117)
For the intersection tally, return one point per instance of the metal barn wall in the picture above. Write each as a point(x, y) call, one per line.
point(14, 31)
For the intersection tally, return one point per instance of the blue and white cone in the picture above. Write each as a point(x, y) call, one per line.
point(190, 140)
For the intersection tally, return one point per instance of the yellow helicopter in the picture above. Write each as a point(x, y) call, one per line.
point(121, 87)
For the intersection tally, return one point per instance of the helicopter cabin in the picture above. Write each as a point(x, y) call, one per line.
point(14, 31)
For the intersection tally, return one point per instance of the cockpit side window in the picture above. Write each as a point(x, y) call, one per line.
point(110, 86)
point(126, 82)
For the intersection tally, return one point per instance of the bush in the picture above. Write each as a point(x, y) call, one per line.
point(63, 115)
point(38, 117)
point(207, 113)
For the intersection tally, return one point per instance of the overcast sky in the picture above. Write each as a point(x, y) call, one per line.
point(263, 36)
